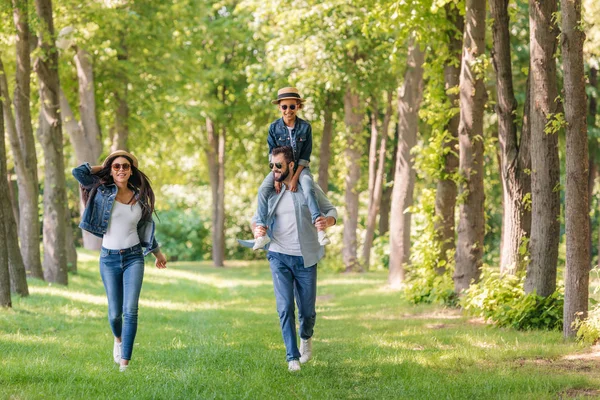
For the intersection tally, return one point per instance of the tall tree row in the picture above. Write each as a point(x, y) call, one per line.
point(471, 224)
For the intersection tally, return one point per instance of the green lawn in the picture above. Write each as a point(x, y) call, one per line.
point(214, 333)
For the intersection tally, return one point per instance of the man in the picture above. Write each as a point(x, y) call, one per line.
point(293, 253)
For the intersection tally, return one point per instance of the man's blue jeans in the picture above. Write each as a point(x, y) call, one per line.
point(290, 278)
point(122, 273)
point(267, 188)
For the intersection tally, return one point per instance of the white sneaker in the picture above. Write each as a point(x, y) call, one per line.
point(323, 239)
point(261, 242)
point(117, 351)
point(123, 368)
point(293, 366)
point(305, 350)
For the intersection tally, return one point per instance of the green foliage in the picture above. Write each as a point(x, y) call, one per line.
point(501, 299)
point(184, 234)
point(424, 283)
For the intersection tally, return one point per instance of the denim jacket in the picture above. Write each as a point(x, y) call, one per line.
point(300, 139)
point(99, 207)
point(311, 250)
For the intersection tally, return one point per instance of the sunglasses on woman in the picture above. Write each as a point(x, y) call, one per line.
point(277, 164)
point(125, 166)
point(285, 107)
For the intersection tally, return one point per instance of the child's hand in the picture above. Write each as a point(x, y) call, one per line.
point(277, 187)
point(294, 185)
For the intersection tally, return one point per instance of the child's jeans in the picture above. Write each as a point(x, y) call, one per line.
point(267, 188)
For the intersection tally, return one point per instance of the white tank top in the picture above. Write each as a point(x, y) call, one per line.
point(122, 226)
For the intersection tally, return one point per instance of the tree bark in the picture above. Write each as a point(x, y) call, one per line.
point(121, 133)
point(5, 298)
point(85, 135)
point(50, 137)
point(592, 150)
point(409, 102)
point(445, 197)
point(386, 198)
point(353, 118)
point(16, 268)
point(215, 153)
point(576, 200)
point(325, 152)
point(545, 177)
point(377, 192)
point(515, 157)
point(22, 145)
point(471, 225)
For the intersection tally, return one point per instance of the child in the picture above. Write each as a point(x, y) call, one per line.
point(291, 131)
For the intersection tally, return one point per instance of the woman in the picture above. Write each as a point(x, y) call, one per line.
point(119, 203)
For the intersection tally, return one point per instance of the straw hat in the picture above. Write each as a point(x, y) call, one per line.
point(288, 93)
point(121, 153)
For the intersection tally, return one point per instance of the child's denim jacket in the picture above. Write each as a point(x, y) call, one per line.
point(300, 139)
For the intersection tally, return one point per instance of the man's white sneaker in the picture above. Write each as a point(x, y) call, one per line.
point(305, 350)
point(323, 239)
point(261, 242)
point(293, 366)
point(117, 352)
point(123, 368)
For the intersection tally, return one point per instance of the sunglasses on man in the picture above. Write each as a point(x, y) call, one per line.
point(277, 164)
point(125, 166)
point(285, 107)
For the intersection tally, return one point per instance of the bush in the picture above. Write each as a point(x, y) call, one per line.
point(501, 299)
point(183, 234)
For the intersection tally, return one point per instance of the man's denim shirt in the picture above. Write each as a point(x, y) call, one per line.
point(311, 250)
point(279, 135)
point(97, 211)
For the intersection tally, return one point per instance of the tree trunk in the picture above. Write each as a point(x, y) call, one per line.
point(50, 137)
point(377, 192)
point(5, 298)
point(353, 118)
point(22, 145)
point(121, 133)
point(545, 175)
point(16, 268)
point(445, 196)
point(576, 200)
point(515, 157)
point(85, 135)
point(325, 153)
point(386, 198)
point(592, 150)
point(409, 102)
point(13, 197)
point(471, 224)
point(215, 153)
point(373, 141)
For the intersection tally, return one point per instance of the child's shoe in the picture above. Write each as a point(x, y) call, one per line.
point(323, 239)
point(261, 242)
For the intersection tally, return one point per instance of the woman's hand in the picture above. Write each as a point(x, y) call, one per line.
point(161, 260)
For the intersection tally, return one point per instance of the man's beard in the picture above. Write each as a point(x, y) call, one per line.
point(283, 176)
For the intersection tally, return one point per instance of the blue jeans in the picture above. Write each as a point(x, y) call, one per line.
point(291, 279)
point(267, 189)
point(122, 273)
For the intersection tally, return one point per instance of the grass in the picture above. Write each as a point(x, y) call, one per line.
point(214, 333)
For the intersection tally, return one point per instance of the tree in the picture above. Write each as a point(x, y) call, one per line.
point(445, 196)
point(50, 137)
point(515, 151)
point(545, 175)
point(471, 225)
point(5, 298)
point(576, 201)
point(215, 154)
point(409, 101)
point(22, 144)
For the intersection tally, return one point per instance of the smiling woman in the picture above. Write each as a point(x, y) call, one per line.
point(119, 203)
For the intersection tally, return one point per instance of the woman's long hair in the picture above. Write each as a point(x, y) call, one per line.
point(138, 181)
